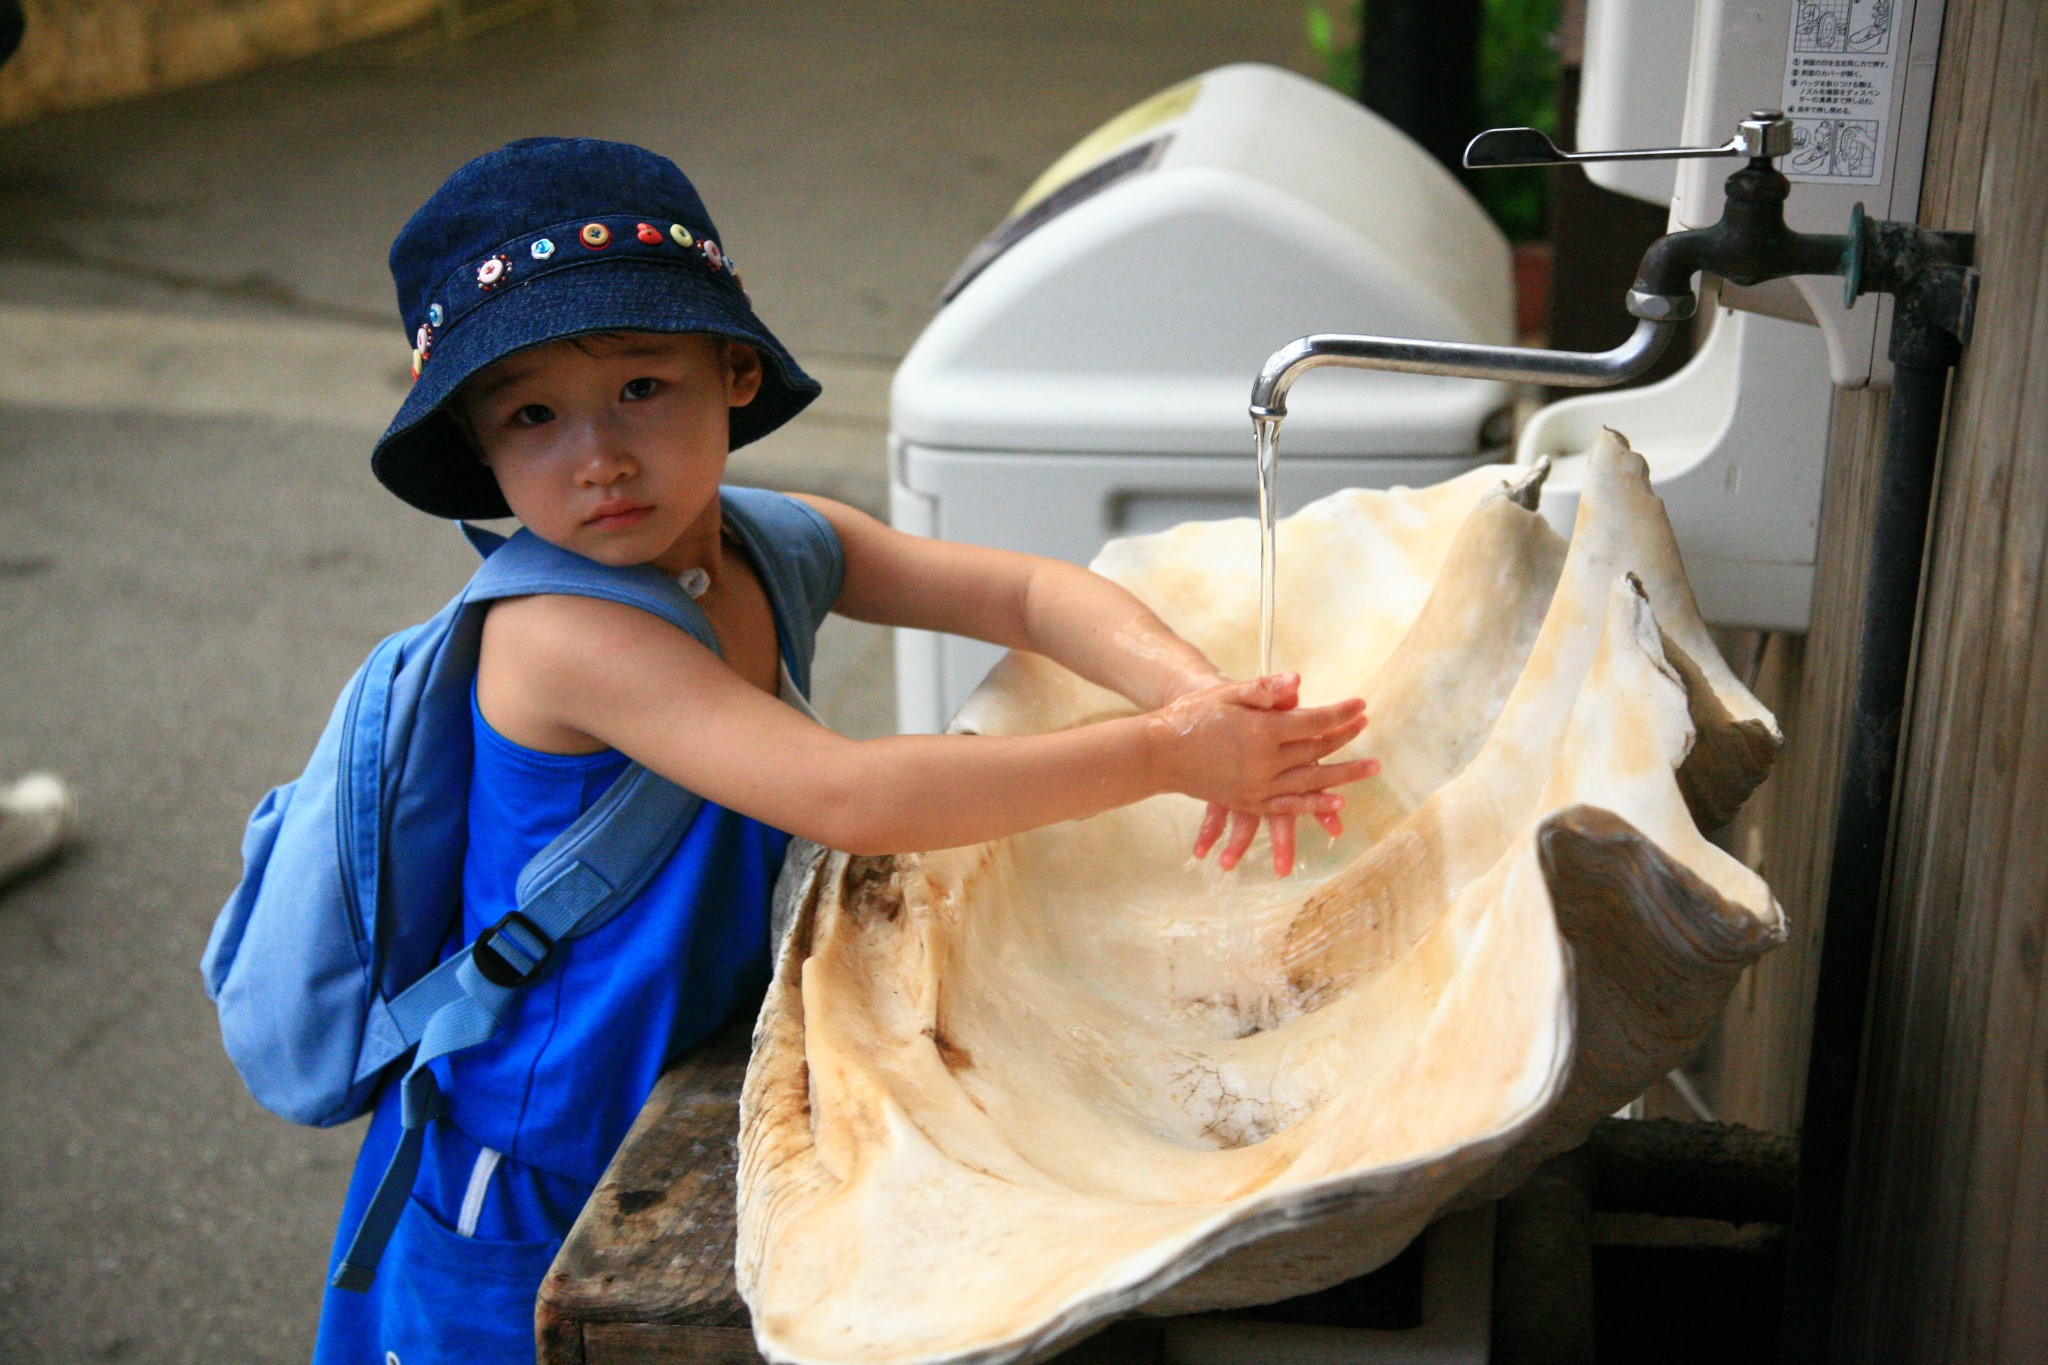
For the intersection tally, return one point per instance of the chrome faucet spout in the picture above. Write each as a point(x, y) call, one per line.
point(1464, 360)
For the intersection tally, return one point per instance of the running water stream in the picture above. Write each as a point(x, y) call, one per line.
point(1266, 449)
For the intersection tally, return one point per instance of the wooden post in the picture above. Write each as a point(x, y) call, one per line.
point(1543, 1267)
point(1946, 1248)
point(1757, 1075)
point(1946, 1256)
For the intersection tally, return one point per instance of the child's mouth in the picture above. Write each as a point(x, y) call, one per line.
point(617, 516)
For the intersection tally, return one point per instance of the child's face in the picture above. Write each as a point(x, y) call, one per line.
point(612, 446)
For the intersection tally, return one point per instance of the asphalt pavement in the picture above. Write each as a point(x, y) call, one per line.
point(197, 345)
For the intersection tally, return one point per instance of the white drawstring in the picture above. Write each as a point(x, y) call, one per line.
point(473, 1197)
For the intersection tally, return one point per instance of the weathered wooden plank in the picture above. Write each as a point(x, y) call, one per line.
point(1692, 1170)
point(558, 1340)
point(641, 1343)
point(2023, 1306)
point(2017, 1301)
point(1945, 1257)
point(646, 1275)
point(1948, 943)
point(1543, 1267)
point(655, 1243)
point(1906, 996)
point(1757, 1070)
point(1996, 864)
point(1958, 122)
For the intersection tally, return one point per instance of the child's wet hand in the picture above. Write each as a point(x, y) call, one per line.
point(1252, 751)
point(1244, 827)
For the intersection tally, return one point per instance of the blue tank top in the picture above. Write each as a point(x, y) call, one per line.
point(568, 1069)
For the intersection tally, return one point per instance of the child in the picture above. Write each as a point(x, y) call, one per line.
point(585, 357)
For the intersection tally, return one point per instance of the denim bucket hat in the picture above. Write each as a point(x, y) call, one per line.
point(543, 239)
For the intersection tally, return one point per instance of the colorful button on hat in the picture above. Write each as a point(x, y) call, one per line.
point(434, 315)
point(542, 249)
point(648, 233)
point(596, 236)
point(491, 271)
point(681, 235)
point(713, 254)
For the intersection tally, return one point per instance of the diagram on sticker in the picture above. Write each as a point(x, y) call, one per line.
point(1840, 149)
point(1842, 26)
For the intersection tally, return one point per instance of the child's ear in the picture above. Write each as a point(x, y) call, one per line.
point(742, 373)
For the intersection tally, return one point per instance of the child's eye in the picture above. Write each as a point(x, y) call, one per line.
point(533, 415)
point(643, 387)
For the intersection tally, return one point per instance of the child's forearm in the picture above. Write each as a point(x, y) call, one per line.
point(1074, 617)
point(1102, 632)
point(911, 793)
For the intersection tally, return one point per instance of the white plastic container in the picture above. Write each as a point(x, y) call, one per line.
point(1632, 91)
point(1736, 442)
point(1089, 373)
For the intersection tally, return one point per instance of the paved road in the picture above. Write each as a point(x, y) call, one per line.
point(194, 352)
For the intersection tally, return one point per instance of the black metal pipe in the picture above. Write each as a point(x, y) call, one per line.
point(1923, 352)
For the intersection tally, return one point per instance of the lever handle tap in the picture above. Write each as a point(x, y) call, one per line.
point(1749, 244)
point(1767, 133)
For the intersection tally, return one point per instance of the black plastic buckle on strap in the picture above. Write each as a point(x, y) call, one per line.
point(499, 970)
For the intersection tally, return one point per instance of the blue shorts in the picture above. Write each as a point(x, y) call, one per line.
point(458, 1281)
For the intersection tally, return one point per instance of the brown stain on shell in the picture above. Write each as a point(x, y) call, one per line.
point(1367, 915)
point(869, 890)
point(956, 1057)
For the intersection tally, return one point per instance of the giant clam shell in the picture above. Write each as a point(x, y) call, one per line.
point(1001, 1094)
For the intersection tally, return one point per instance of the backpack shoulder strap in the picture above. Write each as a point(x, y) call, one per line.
point(524, 565)
point(605, 856)
point(799, 556)
point(580, 880)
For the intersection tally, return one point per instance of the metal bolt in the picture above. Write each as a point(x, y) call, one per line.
point(1661, 307)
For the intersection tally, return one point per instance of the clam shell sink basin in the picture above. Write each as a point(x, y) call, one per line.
point(1002, 1094)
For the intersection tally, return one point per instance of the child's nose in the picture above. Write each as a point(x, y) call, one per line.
point(605, 458)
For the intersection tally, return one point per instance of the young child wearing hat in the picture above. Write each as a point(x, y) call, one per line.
point(585, 358)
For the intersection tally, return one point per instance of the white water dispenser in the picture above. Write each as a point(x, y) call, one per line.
point(1086, 375)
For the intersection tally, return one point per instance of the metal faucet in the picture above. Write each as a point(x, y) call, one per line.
point(1750, 243)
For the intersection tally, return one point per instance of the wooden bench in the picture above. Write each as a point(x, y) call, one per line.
point(646, 1275)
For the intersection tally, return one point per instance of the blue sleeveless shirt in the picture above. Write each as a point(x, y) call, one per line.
point(566, 1073)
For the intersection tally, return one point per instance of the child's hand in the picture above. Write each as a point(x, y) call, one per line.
point(1251, 752)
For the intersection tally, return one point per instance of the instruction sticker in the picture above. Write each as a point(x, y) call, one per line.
point(1838, 87)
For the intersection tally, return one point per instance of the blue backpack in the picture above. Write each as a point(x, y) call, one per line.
point(325, 964)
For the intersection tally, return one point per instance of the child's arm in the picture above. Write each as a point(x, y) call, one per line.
point(1076, 618)
point(630, 681)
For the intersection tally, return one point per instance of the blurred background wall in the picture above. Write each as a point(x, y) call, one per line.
point(84, 52)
